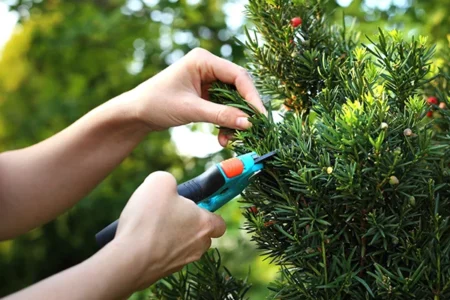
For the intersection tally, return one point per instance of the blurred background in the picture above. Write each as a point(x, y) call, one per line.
point(59, 59)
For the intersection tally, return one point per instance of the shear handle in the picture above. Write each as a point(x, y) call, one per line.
point(196, 189)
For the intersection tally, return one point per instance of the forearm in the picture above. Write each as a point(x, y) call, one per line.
point(39, 182)
point(106, 275)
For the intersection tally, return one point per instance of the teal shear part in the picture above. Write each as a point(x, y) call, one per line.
point(233, 186)
point(211, 189)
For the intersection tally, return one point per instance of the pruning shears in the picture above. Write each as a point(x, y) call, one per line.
point(213, 188)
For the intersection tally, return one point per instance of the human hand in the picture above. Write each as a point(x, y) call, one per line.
point(179, 94)
point(162, 230)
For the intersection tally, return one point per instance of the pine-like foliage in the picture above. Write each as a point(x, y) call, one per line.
point(356, 204)
point(204, 279)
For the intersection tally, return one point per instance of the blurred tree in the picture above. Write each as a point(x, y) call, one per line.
point(67, 57)
point(413, 17)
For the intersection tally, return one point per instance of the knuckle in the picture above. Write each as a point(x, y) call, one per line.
point(220, 231)
point(188, 260)
point(243, 72)
point(206, 222)
point(204, 245)
point(222, 225)
point(194, 256)
point(197, 256)
point(161, 177)
point(175, 269)
point(222, 116)
point(198, 52)
point(208, 244)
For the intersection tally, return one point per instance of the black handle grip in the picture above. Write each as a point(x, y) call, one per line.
point(195, 189)
point(202, 186)
point(107, 234)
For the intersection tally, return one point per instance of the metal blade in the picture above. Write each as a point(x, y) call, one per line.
point(265, 156)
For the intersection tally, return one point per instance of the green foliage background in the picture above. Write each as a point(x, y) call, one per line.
point(67, 57)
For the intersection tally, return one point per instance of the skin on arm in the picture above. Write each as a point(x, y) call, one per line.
point(40, 182)
point(159, 232)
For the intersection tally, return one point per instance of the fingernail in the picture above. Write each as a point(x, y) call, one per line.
point(242, 122)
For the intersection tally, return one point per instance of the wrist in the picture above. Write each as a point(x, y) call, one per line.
point(145, 107)
point(129, 106)
point(140, 267)
point(116, 270)
point(118, 119)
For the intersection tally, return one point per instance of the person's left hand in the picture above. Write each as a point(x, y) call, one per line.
point(179, 94)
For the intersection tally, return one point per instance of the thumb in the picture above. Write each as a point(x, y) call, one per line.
point(222, 115)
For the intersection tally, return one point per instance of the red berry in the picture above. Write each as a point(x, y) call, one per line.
point(269, 223)
point(295, 22)
point(432, 101)
point(430, 114)
point(253, 210)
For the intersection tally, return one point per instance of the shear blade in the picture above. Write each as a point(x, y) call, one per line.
point(265, 156)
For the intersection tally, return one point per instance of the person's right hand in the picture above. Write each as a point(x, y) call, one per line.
point(163, 230)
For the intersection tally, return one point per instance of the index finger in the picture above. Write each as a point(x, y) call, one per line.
point(212, 68)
